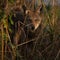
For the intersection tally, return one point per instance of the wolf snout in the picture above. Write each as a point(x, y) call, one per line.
point(32, 27)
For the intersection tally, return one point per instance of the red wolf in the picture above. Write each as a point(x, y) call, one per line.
point(35, 17)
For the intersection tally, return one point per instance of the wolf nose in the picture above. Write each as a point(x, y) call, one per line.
point(32, 27)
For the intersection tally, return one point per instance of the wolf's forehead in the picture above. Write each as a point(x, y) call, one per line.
point(35, 17)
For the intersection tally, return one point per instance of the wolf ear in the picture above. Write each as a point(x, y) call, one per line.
point(39, 8)
point(28, 11)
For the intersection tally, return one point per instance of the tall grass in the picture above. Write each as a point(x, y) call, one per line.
point(46, 43)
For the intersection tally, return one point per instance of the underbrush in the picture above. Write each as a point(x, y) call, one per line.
point(44, 46)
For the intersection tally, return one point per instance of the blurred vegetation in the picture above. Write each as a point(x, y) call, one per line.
point(46, 44)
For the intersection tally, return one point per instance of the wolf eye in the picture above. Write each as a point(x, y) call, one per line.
point(36, 19)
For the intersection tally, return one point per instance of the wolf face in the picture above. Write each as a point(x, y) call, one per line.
point(35, 18)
